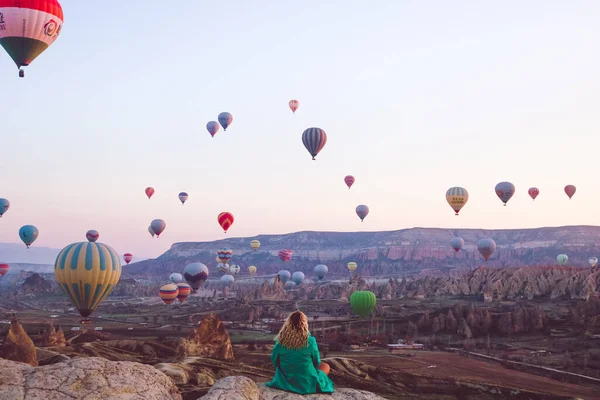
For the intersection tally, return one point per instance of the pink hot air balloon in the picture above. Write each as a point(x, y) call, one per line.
point(294, 104)
point(349, 179)
point(127, 257)
point(570, 190)
point(285, 255)
point(533, 192)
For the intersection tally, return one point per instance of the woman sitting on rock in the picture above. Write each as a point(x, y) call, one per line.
point(295, 356)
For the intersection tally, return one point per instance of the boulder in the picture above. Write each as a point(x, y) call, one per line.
point(85, 378)
point(242, 388)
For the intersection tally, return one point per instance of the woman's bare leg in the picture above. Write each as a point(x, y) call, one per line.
point(325, 368)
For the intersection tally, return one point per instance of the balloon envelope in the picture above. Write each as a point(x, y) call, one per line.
point(570, 190)
point(321, 271)
point(4, 206)
point(255, 244)
point(457, 197)
point(533, 192)
point(87, 272)
point(352, 266)
point(284, 275)
point(183, 196)
point(158, 226)
point(92, 235)
point(195, 274)
point(4, 269)
point(593, 261)
point(184, 291)
point(225, 219)
point(562, 259)
point(362, 211)
point(252, 270)
point(504, 191)
point(212, 127)
point(285, 255)
point(349, 180)
point(227, 279)
point(28, 234)
point(168, 293)
point(486, 247)
point(298, 277)
point(290, 285)
point(363, 302)
point(225, 119)
point(151, 231)
point(149, 192)
point(457, 243)
point(224, 255)
point(294, 104)
point(234, 269)
point(314, 139)
point(176, 277)
point(127, 257)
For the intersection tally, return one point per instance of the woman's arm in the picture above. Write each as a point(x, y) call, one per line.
point(314, 351)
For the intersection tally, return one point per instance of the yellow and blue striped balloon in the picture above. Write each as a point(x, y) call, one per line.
point(87, 272)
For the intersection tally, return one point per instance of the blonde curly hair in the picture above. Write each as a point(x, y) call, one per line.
point(294, 333)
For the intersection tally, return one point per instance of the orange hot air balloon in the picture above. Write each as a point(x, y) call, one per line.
point(570, 190)
point(149, 192)
point(225, 219)
point(168, 293)
point(184, 291)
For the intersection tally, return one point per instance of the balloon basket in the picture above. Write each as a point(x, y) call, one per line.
point(86, 321)
point(21, 73)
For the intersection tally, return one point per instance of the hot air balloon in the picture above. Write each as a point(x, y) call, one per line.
point(225, 219)
point(593, 261)
point(158, 226)
point(127, 257)
point(533, 192)
point(28, 27)
point(227, 280)
point(562, 259)
point(349, 180)
point(486, 247)
point(457, 243)
point(314, 140)
point(184, 291)
point(183, 196)
point(151, 231)
point(352, 266)
point(87, 272)
point(223, 268)
point(252, 270)
point(298, 277)
point(321, 270)
point(4, 206)
point(289, 285)
point(363, 302)
point(234, 269)
point(149, 192)
point(4, 269)
point(224, 255)
point(225, 119)
point(362, 211)
point(92, 235)
point(212, 127)
point(195, 274)
point(504, 191)
point(168, 293)
point(294, 104)
point(255, 244)
point(285, 255)
point(28, 234)
point(284, 275)
point(176, 277)
point(457, 197)
point(570, 190)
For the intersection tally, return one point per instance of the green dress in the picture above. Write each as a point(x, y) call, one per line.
point(296, 370)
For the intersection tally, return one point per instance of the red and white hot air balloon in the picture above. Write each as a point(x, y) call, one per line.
point(570, 190)
point(294, 104)
point(225, 219)
point(149, 192)
point(533, 192)
point(127, 257)
point(349, 179)
point(285, 255)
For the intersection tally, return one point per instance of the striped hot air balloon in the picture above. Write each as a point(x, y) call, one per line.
point(168, 293)
point(225, 219)
point(349, 180)
point(352, 266)
point(314, 140)
point(149, 192)
point(533, 192)
point(184, 291)
point(457, 197)
point(505, 191)
point(285, 255)
point(87, 272)
point(570, 190)
point(294, 104)
point(223, 268)
point(363, 302)
point(562, 259)
point(28, 28)
point(92, 235)
point(224, 255)
point(255, 244)
point(4, 269)
point(183, 196)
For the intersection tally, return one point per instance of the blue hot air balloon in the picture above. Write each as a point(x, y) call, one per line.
point(457, 243)
point(195, 275)
point(284, 275)
point(289, 285)
point(176, 277)
point(225, 119)
point(321, 271)
point(28, 234)
point(298, 277)
point(227, 280)
point(4, 206)
point(183, 196)
point(486, 247)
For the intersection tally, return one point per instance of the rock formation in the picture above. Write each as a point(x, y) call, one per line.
point(35, 285)
point(85, 378)
point(210, 339)
point(18, 346)
point(54, 338)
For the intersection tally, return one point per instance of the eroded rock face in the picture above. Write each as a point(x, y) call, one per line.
point(54, 337)
point(242, 388)
point(18, 346)
point(85, 378)
point(210, 339)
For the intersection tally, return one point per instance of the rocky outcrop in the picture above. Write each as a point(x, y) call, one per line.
point(54, 338)
point(210, 339)
point(85, 378)
point(242, 388)
point(35, 285)
point(18, 346)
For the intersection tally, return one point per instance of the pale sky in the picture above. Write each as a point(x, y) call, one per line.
point(415, 96)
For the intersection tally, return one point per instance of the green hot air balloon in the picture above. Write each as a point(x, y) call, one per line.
point(363, 302)
point(562, 259)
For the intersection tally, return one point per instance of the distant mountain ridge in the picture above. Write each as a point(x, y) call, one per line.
point(18, 253)
point(387, 253)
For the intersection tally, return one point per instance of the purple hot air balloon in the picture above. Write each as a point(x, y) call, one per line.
point(457, 243)
point(314, 140)
point(362, 211)
point(212, 127)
